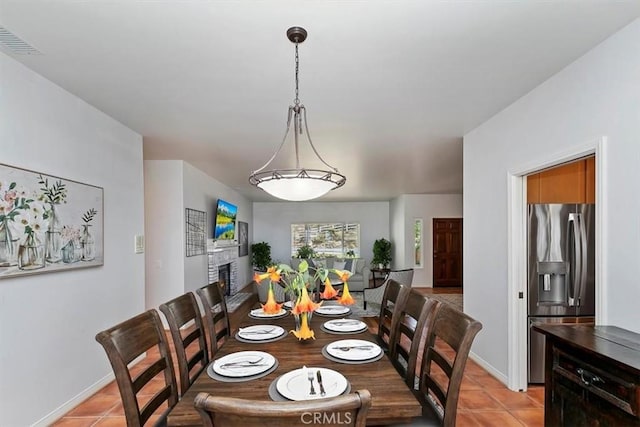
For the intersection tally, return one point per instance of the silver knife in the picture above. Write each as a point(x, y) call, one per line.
point(319, 376)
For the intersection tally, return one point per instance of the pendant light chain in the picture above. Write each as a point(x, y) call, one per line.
point(296, 101)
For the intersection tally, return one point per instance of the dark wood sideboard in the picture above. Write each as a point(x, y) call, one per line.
point(592, 376)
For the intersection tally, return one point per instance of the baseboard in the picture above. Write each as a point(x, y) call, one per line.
point(489, 368)
point(60, 411)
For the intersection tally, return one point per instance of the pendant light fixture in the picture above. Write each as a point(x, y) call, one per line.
point(300, 183)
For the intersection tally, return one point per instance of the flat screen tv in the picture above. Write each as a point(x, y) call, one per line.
point(225, 221)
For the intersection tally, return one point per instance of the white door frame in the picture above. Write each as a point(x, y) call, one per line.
point(517, 249)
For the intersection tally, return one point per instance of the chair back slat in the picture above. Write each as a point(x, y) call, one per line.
point(179, 312)
point(216, 315)
point(347, 410)
point(131, 339)
point(457, 330)
point(394, 296)
point(411, 320)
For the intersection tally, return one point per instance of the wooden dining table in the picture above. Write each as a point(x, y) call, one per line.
point(392, 401)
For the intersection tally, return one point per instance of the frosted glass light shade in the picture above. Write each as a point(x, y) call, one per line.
point(298, 185)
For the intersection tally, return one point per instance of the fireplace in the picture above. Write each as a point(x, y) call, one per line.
point(224, 278)
point(223, 267)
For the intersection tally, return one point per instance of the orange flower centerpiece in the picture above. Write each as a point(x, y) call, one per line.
point(297, 284)
point(270, 306)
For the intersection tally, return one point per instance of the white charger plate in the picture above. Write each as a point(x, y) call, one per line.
point(237, 365)
point(295, 385)
point(260, 332)
point(369, 349)
point(261, 314)
point(345, 325)
point(332, 310)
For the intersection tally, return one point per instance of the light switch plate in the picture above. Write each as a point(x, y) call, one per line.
point(139, 243)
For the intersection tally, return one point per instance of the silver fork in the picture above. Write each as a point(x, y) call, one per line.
point(243, 362)
point(345, 322)
point(310, 377)
point(355, 347)
point(259, 332)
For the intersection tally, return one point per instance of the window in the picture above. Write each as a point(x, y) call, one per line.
point(327, 239)
point(417, 243)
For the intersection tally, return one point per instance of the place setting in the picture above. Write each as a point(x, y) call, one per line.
point(242, 366)
point(344, 326)
point(308, 384)
point(260, 334)
point(259, 314)
point(352, 351)
point(332, 310)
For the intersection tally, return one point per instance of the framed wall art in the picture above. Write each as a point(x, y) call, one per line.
point(195, 228)
point(243, 239)
point(48, 223)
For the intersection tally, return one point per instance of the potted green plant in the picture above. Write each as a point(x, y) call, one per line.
point(261, 256)
point(305, 252)
point(381, 253)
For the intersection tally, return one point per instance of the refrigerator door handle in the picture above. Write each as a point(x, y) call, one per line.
point(583, 260)
point(575, 258)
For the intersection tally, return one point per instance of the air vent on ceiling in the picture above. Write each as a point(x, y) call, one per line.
point(16, 44)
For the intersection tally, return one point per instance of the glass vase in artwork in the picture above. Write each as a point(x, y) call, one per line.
point(8, 245)
point(88, 244)
point(53, 237)
point(31, 253)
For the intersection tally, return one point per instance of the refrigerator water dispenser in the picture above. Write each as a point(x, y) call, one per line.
point(552, 282)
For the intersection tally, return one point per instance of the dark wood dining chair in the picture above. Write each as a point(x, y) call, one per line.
point(124, 343)
point(347, 410)
point(216, 315)
point(443, 361)
point(411, 321)
point(190, 343)
point(394, 296)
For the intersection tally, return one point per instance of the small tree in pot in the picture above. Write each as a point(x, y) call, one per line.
point(261, 256)
point(381, 253)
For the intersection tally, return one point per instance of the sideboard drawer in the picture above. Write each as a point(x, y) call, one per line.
point(616, 387)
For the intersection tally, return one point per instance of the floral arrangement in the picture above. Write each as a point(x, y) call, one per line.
point(297, 283)
point(25, 214)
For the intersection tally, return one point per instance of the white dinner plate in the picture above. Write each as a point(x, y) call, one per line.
point(332, 310)
point(259, 313)
point(295, 385)
point(354, 349)
point(345, 325)
point(243, 364)
point(260, 332)
point(288, 304)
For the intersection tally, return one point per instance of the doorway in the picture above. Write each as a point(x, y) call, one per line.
point(517, 251)
point(447, 252)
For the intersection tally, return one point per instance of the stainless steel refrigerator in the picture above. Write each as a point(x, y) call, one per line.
point(561, 285)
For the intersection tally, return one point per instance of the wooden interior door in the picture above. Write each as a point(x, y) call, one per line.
point(447, 252)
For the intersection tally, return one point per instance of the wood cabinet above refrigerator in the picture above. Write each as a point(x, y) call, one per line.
point(573, 182)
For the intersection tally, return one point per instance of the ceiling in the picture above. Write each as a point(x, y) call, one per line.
point(390, 86)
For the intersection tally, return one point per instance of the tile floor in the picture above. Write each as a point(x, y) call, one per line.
point(484, 401)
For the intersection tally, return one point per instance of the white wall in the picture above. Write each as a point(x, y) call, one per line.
point(48, 354)
point(164, 233)
point(426, 207)
point(398, 234)
point(201, 193)
point(598, 95)
point(272, 222)
point(171, 186)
